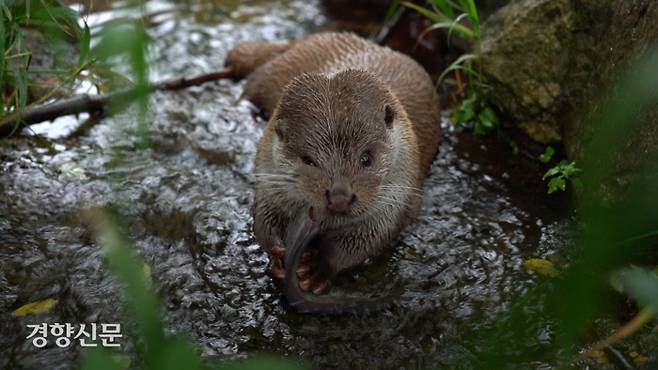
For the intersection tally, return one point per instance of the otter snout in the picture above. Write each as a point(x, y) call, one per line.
point(340, 198)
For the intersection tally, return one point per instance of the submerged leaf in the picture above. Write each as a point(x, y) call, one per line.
point(541, 266)
point(35, 307)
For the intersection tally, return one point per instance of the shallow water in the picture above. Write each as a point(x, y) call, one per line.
point(187, 200)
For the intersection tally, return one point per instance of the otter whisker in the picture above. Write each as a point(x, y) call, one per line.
point(274, 175)
point(402, 188)
point(391, 200)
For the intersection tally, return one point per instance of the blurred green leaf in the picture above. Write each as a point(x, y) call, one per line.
point(392, 9)
point(100, 359)
point(466, 112)
point(470, 8)
point(264, 362)
point(174, 354)
point(547, 155)
point(85, 43)
point(487, 120)
point(459, 63)
point(438, 17)
point(444, 7)
point(555, 184)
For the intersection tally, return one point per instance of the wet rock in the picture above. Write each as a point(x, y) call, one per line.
point(548, 60)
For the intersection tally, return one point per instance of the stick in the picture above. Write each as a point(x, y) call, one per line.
point(643, 317)
point(98, 103)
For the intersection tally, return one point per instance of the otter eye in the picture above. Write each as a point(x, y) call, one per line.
point(366, 160)
point(308, 161)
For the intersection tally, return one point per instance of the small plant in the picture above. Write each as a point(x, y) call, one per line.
point(474, 106)
point(558, 175)
point(475, 109)
point(23, 24)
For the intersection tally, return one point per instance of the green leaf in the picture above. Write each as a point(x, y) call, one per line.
point(471, 9)
point(488, 115)
point(486, 120)
point(555, 184)
point(444, 7)
point(547, 154)
point(570, 169)
point(101, 359)
point(175, 354)
point(392, 9)
point(466, 112)
point(263, 362)
point(552, 172)
point(457, 64)
point(85, 42)
point(438, 17)
point(434, 16)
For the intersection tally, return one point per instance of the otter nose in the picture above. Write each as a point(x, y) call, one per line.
point(340, 199)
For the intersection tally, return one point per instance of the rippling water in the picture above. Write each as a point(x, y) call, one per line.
point(187, 200)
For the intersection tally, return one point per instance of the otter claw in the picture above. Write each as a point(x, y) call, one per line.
point(322, 287)
point(316, 285)
point(278, 272)
point(303, 271)
point(278, 251)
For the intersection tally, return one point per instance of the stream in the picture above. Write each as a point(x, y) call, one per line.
point(187, 200)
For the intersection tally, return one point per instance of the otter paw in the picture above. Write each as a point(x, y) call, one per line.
point(307, 264)
point(316, 284)
point(277, 271)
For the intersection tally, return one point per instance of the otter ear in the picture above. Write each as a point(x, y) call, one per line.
point(389, 116)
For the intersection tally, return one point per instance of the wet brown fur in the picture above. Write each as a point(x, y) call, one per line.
point(327, 96)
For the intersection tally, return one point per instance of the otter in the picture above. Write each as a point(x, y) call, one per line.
point(352, 130)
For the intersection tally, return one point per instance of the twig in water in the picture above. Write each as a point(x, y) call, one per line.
point(98, 103)
point(645, 315)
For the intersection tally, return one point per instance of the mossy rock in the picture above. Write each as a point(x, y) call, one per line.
point(547, 61)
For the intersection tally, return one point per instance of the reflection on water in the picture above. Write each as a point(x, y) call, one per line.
point(187, 200)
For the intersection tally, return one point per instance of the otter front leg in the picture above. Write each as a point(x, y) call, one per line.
point(339, 253)
point(268, 227)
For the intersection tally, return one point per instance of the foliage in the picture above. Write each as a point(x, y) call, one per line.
point(558, 175)
point(51, 28)
point(121, 41)
point(155, 349)
point(461, 17)
point(611, 237)
point(476, 110)
point(21, 22)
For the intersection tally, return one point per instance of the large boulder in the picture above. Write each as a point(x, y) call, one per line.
point(547, 61)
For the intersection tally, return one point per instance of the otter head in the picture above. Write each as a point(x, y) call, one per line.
point(337, 135)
